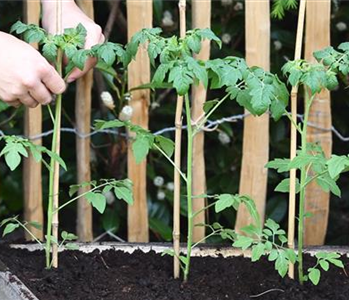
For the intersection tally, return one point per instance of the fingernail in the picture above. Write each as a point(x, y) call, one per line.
point(71, 79)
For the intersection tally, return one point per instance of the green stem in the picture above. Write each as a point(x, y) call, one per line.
point(54, 149)
point(171, 161)
point(202, 123)
point(189, 186)
point(289, 116)
point(302, 190)
point(24, 226)
point(78, 197)
point(203, 209)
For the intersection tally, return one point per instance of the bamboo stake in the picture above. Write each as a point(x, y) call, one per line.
point(253, 180)
point(177, 159)
point(317, 36)
point(55, 221)
point(33, 210)
point(83, 121)
point(139, 16)
point(293, 146)
point(201, 18)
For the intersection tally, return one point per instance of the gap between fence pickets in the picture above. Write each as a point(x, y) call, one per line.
point(200, 251)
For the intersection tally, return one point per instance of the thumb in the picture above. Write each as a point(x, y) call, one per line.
point(53, 81)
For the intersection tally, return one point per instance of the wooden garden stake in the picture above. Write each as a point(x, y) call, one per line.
point(177, 159)
point(317, 36)
point(293, 146)
point(33, 210)
point(253, 179)
point(201, 18)
point(139, 16)
point(55, 221)
point(83, 122)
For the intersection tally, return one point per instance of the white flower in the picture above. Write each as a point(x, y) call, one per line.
point(110, 197)
point(128, 97)
point(227, 2)
point(107, 99)
point(226, 38)
point(170, 186)
point(238, 6)
point(126, 113)
point(277, 45)
point(167, 19)
point(223, 138)
point(161, 195)
point(158, 181)
point(154, 105)
point(341, 26)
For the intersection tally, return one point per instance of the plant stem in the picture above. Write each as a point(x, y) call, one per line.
point(53, 166)
point(302, 189)
point(171, 161)
point(189, 186)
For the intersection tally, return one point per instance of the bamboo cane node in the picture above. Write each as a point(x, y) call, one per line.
point(178, 125)
point(176, 235)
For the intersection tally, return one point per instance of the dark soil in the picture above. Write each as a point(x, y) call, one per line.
point(116, 275)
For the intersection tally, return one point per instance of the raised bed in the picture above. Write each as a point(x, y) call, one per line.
point(134, 271)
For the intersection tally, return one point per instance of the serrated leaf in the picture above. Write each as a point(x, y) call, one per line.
point(243, 242)
point(257, 252)
point(226, 200)
point(336, 164)
point(280, 164)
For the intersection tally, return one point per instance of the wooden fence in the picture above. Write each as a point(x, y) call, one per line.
point(256, 129)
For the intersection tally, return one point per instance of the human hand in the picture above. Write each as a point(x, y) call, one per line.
point(25, 76)
point(71, 17)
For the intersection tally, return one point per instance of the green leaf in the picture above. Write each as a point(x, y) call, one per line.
point(261, 98)
point(273, 255)
point(257, 251)
point(336, 262)
point(68, 236)
point(101, 124)
point(140, 148)
point(208, 34)
point(328, 184)
point(243, 242)
point(280, 164)
point(57, 158)
point(71, 246)
point(284, 186)
point(281, 264)
point(324, 265)
point(165, 144)
point(49, 50)
point(314, 275)
point(161, 228)
point(35, 224)
point(97, 200)
point(13, 159)
point(10, 227)
point(226, 200)
point(180, 76)
point(208, 105)
point(124, 193)
point(336, 164)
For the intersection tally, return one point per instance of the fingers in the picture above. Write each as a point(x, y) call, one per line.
point(77, 73)
point(52, 80)
point(14, 103)
point(29, 101)
point(40, 93)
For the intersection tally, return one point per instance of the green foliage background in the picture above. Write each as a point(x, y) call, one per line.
point(223, 160)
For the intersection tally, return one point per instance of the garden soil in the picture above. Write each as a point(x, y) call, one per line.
point(114, 275)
